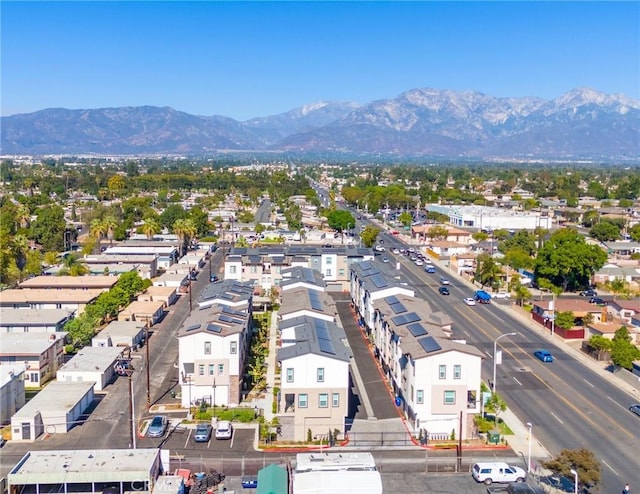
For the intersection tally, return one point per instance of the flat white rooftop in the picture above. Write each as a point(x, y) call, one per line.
point(73, 466)
point(309, 462)
point(92, 359)
point(32, 317)
point(57, 396)
point(28, 343)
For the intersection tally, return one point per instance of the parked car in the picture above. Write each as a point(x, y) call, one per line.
point(213, 278)
point(395, 251)
point(589, 293)
point(418, 262)
point(443, 290)
point(469, 301)
point(203, 433)
point(635, 408)
point(490, 472)
point(444, 281)
point(158, 426)
point(502, 294)
point(224, 430)
point(597, 301)
point(543, 355)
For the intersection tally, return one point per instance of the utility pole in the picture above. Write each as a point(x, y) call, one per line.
point(460, 444)
point(146, 348)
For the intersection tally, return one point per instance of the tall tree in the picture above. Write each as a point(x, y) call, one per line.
point(341, 220)
point(567, 261)
point(150, 227)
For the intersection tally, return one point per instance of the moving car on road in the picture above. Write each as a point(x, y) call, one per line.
point(443, 290)
point(635, 408)
point(444, 281)
point(589, 293)
point(543, 355)
point(469, 301)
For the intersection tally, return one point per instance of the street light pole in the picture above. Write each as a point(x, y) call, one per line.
point(213, 402)
point(530, 426)
point(575, 480)
point(495, 351)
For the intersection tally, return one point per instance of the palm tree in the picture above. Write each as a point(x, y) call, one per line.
point(23, 216)
point(20, 249)
point(185, 230)
point(71, 267)
point(97, 229)
point(110, 224)
point(150, 227)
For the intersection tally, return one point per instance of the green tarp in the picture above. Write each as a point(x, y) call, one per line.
point(273, 480)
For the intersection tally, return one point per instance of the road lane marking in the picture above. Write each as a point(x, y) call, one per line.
point(556, 417)
point(610, 467)
point(490, 354)
point(611, 399)
point(589, 383)
point(517, 381)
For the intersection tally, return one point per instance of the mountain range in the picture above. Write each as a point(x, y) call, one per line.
point(581, 124)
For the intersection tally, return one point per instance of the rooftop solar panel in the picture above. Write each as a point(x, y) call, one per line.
point(398, 308)
point(416, 329)
point(379, 281)
point(391, 300)
point(193, 327)
point(323, 333)
point(326, 346)
point(314, 299)
point(214, 328)
point(429, 344)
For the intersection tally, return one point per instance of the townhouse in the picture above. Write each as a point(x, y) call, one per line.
point(263, 266)
point(314, 363)
point(435, 378)
point(213, 344)
point(367, 285)
point(103, 283)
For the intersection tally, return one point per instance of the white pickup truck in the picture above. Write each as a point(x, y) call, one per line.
point(497, 472)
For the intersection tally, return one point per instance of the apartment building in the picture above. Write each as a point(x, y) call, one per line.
point(304, 301)
point(40, 298)
point(33, 320)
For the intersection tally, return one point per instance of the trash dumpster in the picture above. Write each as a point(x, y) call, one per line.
point(493, 436)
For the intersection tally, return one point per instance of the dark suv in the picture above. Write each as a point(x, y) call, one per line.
point(597, 301)
point(443, 290)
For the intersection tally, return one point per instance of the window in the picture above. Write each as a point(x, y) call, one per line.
point(254, 269)
point(323, 400)
point(212, 370)
point(233, 347)
point(320, 374)
point(232, 270)
point(420, 396)
point(449, 397)
point(341, 272)
point(328, 272)
point(207, 348)
point(220, 369)
point(335, 400)
point(329, 260)
point(289, 374)
point(302, 400)
point(457, 371)
point(442, 373)
point(201, 369)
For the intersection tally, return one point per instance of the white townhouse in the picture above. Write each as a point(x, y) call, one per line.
point(307, 302)
point(212, 347)
point(12, 395)
point(314, 363)
point(440, 379)
point(397, 317)
point(297, 277)
point(368, 285)
point(227, 292)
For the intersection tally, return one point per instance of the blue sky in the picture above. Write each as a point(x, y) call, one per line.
point(253, 59)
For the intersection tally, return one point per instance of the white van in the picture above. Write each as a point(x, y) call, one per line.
point(497, 472)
